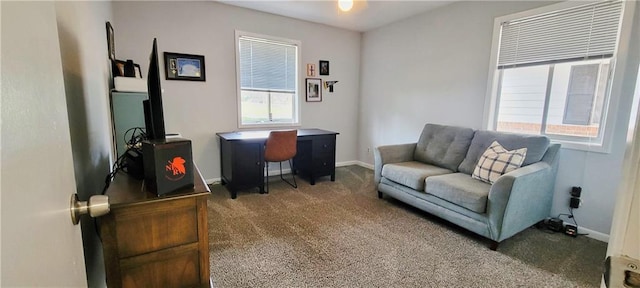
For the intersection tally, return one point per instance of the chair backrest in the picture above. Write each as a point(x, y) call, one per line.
point(280, 145)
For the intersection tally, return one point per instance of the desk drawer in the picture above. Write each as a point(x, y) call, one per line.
point(324, 145)
point(324, 166)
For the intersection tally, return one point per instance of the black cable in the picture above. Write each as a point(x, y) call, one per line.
point(133, 143)
point(576, 222)
point(137, 136)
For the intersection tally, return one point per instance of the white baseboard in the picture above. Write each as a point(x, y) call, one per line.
point(594, 234)
point(355, 162)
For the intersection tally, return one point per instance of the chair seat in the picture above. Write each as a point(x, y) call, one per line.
point(412, 173)
point(461, 189)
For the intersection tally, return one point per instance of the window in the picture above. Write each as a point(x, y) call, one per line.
point(267, 70)
point(554, 70)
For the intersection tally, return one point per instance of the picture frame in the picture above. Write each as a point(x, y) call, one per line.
point(178, 66)
point(111, 45)
point(313, 88)
point(324, 67)
point(311, 70)
point(117, 67)
point(138, 71)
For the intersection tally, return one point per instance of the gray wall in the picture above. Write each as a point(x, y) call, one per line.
point(434, 68)
point(86, 70)
point(198, 110)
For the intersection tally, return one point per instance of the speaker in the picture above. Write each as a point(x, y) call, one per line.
point(168, 165)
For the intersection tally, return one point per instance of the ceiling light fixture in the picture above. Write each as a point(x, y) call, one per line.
point(345, 5)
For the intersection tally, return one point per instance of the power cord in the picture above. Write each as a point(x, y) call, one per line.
point(573, 219)
point(133, 143)
point(136, 139)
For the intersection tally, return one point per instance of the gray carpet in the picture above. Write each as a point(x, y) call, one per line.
point(339, 234)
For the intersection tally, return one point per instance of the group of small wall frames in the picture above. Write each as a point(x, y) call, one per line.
point(314, 86)
point(324, 68)
point(177, 66)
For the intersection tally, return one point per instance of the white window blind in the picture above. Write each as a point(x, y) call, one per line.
point(266, 65)
point(583, 32)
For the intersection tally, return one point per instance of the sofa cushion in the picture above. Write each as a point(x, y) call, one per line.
point(496, 161)
point(412, 173)
point(536, 147)
point(460, 189)
point(444, 146)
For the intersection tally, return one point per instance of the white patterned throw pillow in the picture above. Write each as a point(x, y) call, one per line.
point(496, 161)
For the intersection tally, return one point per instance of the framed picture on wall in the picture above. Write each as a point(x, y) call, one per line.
point(311, 70)
point(313, 89)
point(111, 45)
point(184, 67)
point(324, 67)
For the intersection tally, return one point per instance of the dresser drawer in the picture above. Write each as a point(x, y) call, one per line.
point(150, 227)
point(175, 267)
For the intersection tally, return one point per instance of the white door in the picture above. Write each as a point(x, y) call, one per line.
point(40, 245)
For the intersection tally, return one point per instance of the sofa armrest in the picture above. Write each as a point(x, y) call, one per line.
point(520, 199)
point(391, 154)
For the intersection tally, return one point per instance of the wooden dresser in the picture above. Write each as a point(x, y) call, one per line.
point(151, 241)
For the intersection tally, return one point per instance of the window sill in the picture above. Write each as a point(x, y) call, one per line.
point(582, 146)
point(268, 125)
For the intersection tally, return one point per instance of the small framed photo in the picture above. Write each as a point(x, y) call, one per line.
point(324, 67)
point(311, 70)
point(184, 67)
point(138, 71)
point(111, 45)
point(117, 68)
point(313, 88)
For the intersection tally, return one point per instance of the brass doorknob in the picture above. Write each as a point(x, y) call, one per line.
point(97, 206)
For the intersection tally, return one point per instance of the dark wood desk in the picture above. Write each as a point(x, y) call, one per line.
point(242, 157)
point(151, 241)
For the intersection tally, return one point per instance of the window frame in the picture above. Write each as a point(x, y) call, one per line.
point(296, 99)
point(603, 143)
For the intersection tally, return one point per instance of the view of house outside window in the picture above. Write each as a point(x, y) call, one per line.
point(577, 94)
point(554, 71)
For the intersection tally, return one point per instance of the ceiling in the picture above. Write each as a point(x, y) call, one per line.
point(364, 16)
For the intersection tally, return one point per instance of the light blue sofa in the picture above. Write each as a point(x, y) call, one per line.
point(434, 175)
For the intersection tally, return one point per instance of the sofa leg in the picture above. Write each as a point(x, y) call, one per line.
point(379, 194)
point(494, 245)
